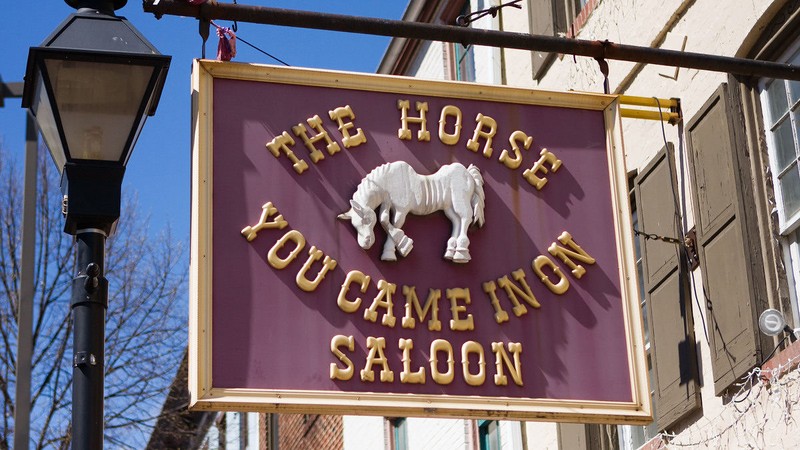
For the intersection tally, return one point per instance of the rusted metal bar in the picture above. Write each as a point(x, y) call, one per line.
point(466, 36)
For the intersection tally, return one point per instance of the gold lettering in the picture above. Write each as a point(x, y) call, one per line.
point(382, 300)
point(567, 255)
point(354, 276)
point(327, 264)
point(557, 288)
point(407, 376)
point(281, 144)
point(337, 373)
point(500, 315)
point(450, 139)
point(478, 378)
point(404, 133)
point(457, 323)
point(513, 163)
point(513, 291)
point(250, 232)
point(440, 345)
point(376, 356)
point(412, 305)
point(538, 166)
point(339, 115)
point(483, 122)
point(501, 358)
point(280, 263)
point(310, 142)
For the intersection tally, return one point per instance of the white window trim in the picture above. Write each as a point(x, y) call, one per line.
point(786, 225)
point(789, 227)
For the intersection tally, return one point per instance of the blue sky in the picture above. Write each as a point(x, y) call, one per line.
point(159, 169)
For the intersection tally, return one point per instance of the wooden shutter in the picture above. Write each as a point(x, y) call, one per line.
point(573, 436)
point(675, 380)
point(727, 236)
point(543, 16)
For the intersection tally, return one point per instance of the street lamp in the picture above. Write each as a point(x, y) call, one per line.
point(90, 86)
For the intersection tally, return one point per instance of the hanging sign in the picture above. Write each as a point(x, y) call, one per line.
point(366, 244)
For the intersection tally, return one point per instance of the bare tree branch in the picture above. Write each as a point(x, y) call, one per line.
point(145, 321)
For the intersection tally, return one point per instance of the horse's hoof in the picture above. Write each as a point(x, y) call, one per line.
point(389, 257)
point(461, 256)
point(405, 246)
point(449, 254)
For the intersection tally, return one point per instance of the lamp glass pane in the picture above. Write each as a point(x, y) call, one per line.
point(98, 104)
point(43, 111)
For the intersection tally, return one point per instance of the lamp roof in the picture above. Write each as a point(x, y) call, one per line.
point(107, 6)
point(91, 30)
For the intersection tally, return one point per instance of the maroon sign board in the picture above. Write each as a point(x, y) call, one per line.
point(366, 244)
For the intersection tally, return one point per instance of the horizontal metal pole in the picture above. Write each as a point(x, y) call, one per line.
point(666, 116)
point(466, 36)
point(648, 101)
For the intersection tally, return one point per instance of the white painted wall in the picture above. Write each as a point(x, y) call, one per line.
point(363, 433)
point(444, 434)
point(430, 62)
point(252, 431)
point(541, 436)
point(369, 433)
point(232, 430)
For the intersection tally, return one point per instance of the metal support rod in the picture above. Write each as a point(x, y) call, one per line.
point(22, 396)
point(652, 102)
point(89, 303)
point(466, 36)
point(665, 115)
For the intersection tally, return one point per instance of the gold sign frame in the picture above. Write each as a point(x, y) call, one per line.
point(205, 396)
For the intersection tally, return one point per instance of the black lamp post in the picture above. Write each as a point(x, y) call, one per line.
point(90, 86)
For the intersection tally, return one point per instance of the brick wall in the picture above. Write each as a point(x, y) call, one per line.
point(310, 431)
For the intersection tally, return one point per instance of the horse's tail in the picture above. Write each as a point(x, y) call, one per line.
point(477, 200)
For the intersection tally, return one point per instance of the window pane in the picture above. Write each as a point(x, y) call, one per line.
point(400, 433)
point(635, 222)
point(777, 100)
point(794, 90)
point(645, 324)
point(784, 145)
point(489, 435)
point(640, 273)
point(465, 63)
point(790, 188)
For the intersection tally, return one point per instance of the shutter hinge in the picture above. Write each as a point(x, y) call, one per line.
point(691, 249)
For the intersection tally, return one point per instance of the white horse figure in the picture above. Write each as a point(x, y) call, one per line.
point(398, 190)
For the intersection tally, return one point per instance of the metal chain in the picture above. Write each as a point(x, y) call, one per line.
point(670, 240)
point(467, 19)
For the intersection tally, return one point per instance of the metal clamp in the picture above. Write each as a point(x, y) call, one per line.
point(84, 359)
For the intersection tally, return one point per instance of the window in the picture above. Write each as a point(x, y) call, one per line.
point(781, 110)
point(781, 105)
point(631, 436)
point(666, 301)
point(243, 431)
point(398, 433)
point(489, 434)
point(554, 18)
point(728, 234)
point(464, 62)
point(463, 57)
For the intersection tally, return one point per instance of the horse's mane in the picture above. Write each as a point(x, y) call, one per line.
point(372, 177)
